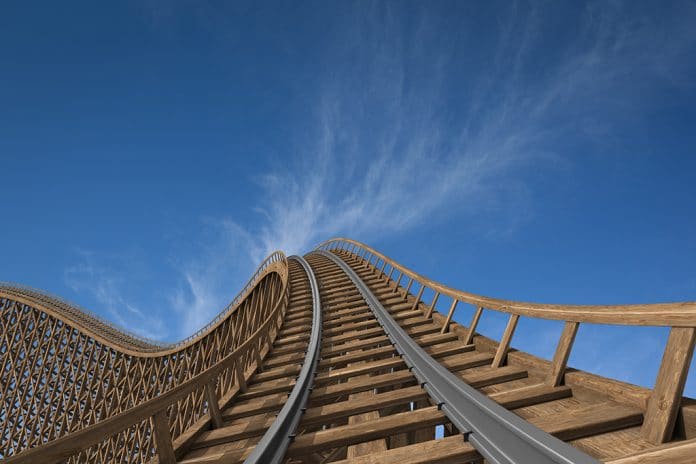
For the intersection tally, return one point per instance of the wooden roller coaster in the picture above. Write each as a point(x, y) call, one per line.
point(340, 356)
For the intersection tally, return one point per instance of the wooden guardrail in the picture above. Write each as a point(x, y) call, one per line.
point(665, 399)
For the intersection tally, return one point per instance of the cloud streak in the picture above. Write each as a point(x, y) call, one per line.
point(407, 127)
point(389, 152)
point(106, 285)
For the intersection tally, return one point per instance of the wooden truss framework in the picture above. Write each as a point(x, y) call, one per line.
point(86, 395)
point(60, 373)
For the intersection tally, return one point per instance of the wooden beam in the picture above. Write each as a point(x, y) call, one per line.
point(472, 327)
point(450, 314)
point(446, 450)
point(163, 438)
point(588, 421)
point(665, 399)
point(213, 406)
point(560, 359)
point(365, 431)
point(682, 452)
point(361, 404)
point(504, 345)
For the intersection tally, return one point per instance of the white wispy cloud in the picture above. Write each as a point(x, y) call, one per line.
point(107, 285)
point(386, 156)
point(403, 131)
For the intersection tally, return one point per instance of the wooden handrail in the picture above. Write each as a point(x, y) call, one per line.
point(680, 314)
point(74, 443)
point(665, 399)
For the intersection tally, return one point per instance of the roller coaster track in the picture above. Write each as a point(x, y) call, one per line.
point(340, 356)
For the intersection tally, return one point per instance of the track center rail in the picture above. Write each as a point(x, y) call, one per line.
point(273, 445)
point(498, 434)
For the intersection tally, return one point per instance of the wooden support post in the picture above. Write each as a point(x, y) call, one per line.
point(257, 353)
point(560, 359)
point(398, 282)
point(504, 345)
point(665, 399)
point(472, 327)
point(391, 272)
point(163, 438)
point(408, 288)
point(432, 305)
point(445, 326)
point(418, 297)
point(239, 373)
point(268, 338)
point(213, 405)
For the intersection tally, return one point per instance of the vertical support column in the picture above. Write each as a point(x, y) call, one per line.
point(163, 438)
point(504, 345)
point(398, 282)
point(432, 305)
point(213, 406)
point(418, 297)
point(239, 373)
point(560, 359)
point(257, 352)
point(665, 400)
point(445, 326)
point(407, 289)
point(472, 327)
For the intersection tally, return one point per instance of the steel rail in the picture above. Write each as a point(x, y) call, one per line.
point(273, 445)
point(499, 435)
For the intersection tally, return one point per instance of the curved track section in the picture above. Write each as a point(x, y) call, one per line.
point(499, 435)
point(340, 357)
point(63, 370)
point(272, 447)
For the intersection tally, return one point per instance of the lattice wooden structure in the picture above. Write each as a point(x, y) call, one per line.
point(77, 389)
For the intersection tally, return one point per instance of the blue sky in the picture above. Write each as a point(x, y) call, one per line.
point(152, 153)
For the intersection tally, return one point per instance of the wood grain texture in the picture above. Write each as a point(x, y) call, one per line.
point(665, 400)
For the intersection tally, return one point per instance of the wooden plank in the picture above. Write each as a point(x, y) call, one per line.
point(675, 453)
point(491, 376)
point(339, 350)
point(504, 345)
point(358, 404)
point(466, 361)
point(591, 420)
point(363, 414)
point(365, 431)
point(277, 373)
point(560, 358)
point(665, 400)
point(531, 395)
point(252, 408)
point(447, 450)
point(363, 368)
point(234, 432)
point(268, 388)
point(378, 381)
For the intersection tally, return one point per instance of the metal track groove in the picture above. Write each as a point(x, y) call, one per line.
point(273, 445)
point(498, 434)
